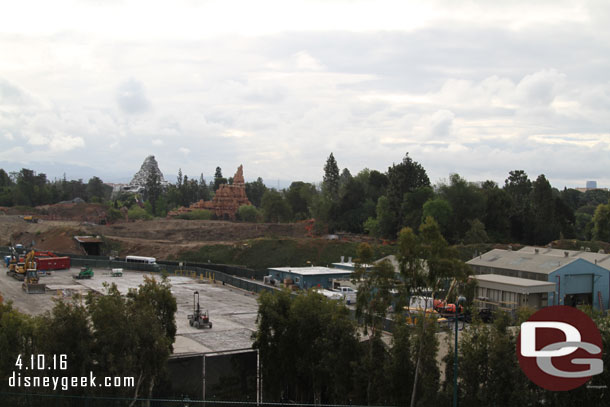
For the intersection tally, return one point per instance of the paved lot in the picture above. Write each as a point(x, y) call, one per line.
point(232, 310)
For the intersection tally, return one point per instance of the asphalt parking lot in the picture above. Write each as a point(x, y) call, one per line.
point(232, 310)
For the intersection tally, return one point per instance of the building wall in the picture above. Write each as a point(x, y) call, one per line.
point(581, 277)
point(307, 281)
point(506, 298)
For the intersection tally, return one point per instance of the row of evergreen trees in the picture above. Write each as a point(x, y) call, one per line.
point(374, 202)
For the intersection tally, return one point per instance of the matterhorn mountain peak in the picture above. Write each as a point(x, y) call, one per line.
point(149, 166)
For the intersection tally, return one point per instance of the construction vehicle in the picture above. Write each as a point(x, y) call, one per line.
point(446, 309)
point(116, 273)
point(199, 319)
point(30, 219)
point(85, 273)
point(31, 283)
point(16, 267)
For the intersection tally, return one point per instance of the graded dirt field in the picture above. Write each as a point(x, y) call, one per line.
point(232, 311)
point(160, 238)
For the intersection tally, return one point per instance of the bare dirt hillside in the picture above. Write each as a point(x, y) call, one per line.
point(160, 237)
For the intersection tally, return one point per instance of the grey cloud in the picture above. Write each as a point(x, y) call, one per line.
point(11, 94)
point(440, 124)
point(131, 97)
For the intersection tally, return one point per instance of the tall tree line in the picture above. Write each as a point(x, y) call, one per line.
point(379, 203)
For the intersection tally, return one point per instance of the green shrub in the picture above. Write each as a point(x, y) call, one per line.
point(136, 213)
point(197, 214)
point(113, 214)
point(249, 213)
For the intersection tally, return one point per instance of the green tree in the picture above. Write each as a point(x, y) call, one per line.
point(412, 206)
point(467, 203)
point(601, 223)
point(66, 330)
point(153, 189)
point(255, 191)
point(344, 179)
point(17, 337)
point(425, 348)
point(426, 262)
point(330, 182)
point(249, 213)
point(307, 344)
point(375, 287)
point(133, 335)
point(275, 207)
point(350, 212)
point(497, 205)
point(203, 193)
point(405, 177)
point(519, 188)
point(5, 180)
point(386, 218)
point(375, 284)
point(218, 179)
point(476, 233)
point(97, 190)
point(545, 228)
point(299, 196)
point(401, 367)
point(440, 210)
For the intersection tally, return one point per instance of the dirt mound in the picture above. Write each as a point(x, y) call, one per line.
point(188, 231)
point(83, 212)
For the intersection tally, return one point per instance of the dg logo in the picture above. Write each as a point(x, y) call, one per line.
point(560, 348)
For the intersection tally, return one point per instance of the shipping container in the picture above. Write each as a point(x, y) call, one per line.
point(52, 263)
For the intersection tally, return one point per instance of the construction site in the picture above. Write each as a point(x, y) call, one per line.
point(227, 315)
point(232, 310)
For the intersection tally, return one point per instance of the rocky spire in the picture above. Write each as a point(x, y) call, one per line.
point(148, 166)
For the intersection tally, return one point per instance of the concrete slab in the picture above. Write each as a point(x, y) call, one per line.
point(232, 310)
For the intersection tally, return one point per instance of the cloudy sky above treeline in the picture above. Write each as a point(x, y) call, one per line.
point(477, 88)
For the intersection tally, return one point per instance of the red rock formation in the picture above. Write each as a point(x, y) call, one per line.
point(227, 200)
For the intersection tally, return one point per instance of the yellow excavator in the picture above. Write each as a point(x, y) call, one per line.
point(31, 283)
point(16, 269)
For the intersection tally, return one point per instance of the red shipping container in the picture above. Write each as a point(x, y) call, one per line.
point(52, 263)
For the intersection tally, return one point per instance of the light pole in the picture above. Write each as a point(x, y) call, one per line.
point(458, 302)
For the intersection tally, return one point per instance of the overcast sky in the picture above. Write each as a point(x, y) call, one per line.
point(468, 87)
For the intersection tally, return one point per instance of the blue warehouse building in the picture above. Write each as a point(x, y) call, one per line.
point(308, 277)
point(577, 277)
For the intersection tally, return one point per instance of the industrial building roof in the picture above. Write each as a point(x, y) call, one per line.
point(521, 261)
point(351, 265)
point(600, 258)
point(514, 284)
point(310, 271)
point(520, 282)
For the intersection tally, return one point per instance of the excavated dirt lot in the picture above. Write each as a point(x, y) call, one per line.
point(163, 237)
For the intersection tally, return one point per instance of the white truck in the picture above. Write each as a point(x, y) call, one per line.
point(348, 294)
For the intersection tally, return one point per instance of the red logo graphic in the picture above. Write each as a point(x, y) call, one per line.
point(559, 348)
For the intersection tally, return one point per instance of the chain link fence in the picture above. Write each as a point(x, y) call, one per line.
point(57, 400)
